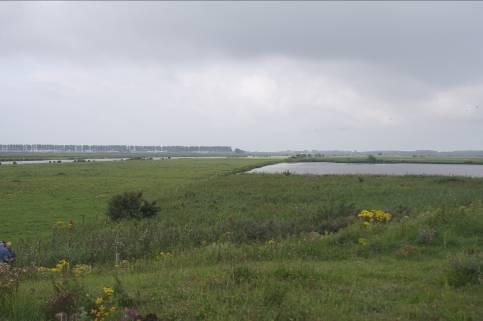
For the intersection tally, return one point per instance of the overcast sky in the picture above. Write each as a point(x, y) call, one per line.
point(253, 75)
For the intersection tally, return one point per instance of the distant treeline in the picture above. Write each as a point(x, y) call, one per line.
point(27, 148)
point(388, 153)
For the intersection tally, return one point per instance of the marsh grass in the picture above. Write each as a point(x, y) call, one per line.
point(258, 208)
point(261, 247)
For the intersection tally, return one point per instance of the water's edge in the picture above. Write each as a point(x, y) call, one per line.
point(398, 169)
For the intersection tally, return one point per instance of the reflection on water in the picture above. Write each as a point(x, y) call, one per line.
point(47, 161)
point(55, 161)
point(325, 168)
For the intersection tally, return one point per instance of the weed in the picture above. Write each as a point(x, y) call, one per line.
point(426, 235)
point(243, 274)
point(274, 294)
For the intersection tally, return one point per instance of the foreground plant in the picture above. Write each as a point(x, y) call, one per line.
point(70, 295)
point(9, 282)
point(104, 305)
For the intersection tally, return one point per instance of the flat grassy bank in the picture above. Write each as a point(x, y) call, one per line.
point(234, 246)
point(34, 197)
point(375, 159)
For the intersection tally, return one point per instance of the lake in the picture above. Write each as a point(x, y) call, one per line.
point(47, 161)
point(326, 168)
point(55, 161)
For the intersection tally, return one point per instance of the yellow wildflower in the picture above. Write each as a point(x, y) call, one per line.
point(81, 269)
point(43, 269)
point(378, 216)
point(165, 255)
point(62, 265)
point(107, 291)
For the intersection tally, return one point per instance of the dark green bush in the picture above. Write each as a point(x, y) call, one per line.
point(131, 205)
point(465, 269)
point(371, 159)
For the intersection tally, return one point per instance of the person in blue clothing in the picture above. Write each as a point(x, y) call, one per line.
point(13, 255)
point(7, 254)
point(4, 253)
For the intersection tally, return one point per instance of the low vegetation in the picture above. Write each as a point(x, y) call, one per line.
point(231, 246)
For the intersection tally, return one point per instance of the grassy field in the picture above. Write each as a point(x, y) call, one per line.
point(34, 197)
point(232, 246)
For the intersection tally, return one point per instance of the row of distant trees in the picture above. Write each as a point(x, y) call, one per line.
point(112, 148)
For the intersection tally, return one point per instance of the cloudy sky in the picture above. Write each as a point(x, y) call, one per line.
point(253, 75)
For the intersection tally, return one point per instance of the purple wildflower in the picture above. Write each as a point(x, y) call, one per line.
point(132, 313)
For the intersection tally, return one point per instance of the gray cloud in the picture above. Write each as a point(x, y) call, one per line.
point(259, 75)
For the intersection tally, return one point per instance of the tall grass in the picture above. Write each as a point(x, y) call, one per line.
point(247, 208)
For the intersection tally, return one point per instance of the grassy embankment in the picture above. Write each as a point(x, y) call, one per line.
point(389, 159)
point(258, 247)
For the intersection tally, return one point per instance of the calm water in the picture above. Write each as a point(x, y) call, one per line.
point(61, 160)
point(55, 161)
point(323, 168)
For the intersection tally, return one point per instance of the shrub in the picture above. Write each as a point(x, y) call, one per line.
point(465, 269)
point(131, 205)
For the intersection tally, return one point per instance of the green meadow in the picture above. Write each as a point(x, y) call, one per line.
point(234, 246)
point(34, 197)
